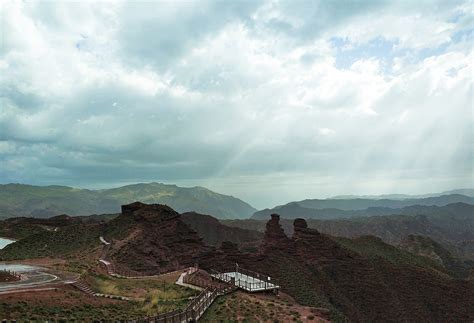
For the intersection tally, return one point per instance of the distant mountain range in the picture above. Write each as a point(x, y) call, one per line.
point(46, 201)
point(463, 191)
point(448, 224)
point(347, 208)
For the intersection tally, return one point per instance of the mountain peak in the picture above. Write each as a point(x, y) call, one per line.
point(157, 240)
point(149, 212)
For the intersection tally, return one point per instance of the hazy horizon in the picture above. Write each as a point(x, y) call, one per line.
point(267, 101)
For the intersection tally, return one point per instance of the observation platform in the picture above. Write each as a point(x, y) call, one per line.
point(247, 280)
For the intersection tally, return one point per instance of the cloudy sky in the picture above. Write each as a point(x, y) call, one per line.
point(269, 101)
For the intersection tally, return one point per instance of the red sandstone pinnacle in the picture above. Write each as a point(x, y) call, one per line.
point(300, 224)
point(301, 230)
point(273, 228)
point(274, 234)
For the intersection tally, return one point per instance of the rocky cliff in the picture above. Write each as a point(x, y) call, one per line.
point(156, 240)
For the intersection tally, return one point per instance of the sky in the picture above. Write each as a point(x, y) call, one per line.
point(268, 101)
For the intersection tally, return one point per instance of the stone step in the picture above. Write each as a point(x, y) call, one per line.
point(83, 287)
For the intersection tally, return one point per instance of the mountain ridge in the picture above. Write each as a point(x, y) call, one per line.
point(347, 208)
point(45, 201)
point(462, 191)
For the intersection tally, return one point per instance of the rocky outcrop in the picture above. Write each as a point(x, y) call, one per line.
point(301, 230)
point(315, 269)
point(155, 213)
point(316, 248)
point(275, 237)
point(157, 240)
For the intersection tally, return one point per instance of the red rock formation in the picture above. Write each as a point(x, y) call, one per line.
point(312, 266)
point(274, 237)
point(149, 212)
point(301, 231)
point(157, 240)
point(316, 248)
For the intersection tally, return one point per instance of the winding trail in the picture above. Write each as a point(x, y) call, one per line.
point(194, 310)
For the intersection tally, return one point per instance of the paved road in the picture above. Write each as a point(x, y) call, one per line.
point(32, 277)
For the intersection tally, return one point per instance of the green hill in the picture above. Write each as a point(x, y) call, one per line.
point(46, 201)
point(64, 242)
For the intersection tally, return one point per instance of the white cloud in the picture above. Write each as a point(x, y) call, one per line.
point(238, 97)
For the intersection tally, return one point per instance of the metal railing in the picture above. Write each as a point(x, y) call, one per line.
point(245, 279)
point(255, 286)
point(193, 311)
point(209, 282)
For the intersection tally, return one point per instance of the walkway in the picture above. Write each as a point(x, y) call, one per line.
point(182, 277)
point(191, 313)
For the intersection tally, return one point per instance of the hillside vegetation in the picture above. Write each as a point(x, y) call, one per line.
point(60, 236)
point(436, 253)
point(64, 242)
point(364, 280)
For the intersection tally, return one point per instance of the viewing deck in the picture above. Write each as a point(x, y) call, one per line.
point(247, 280)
